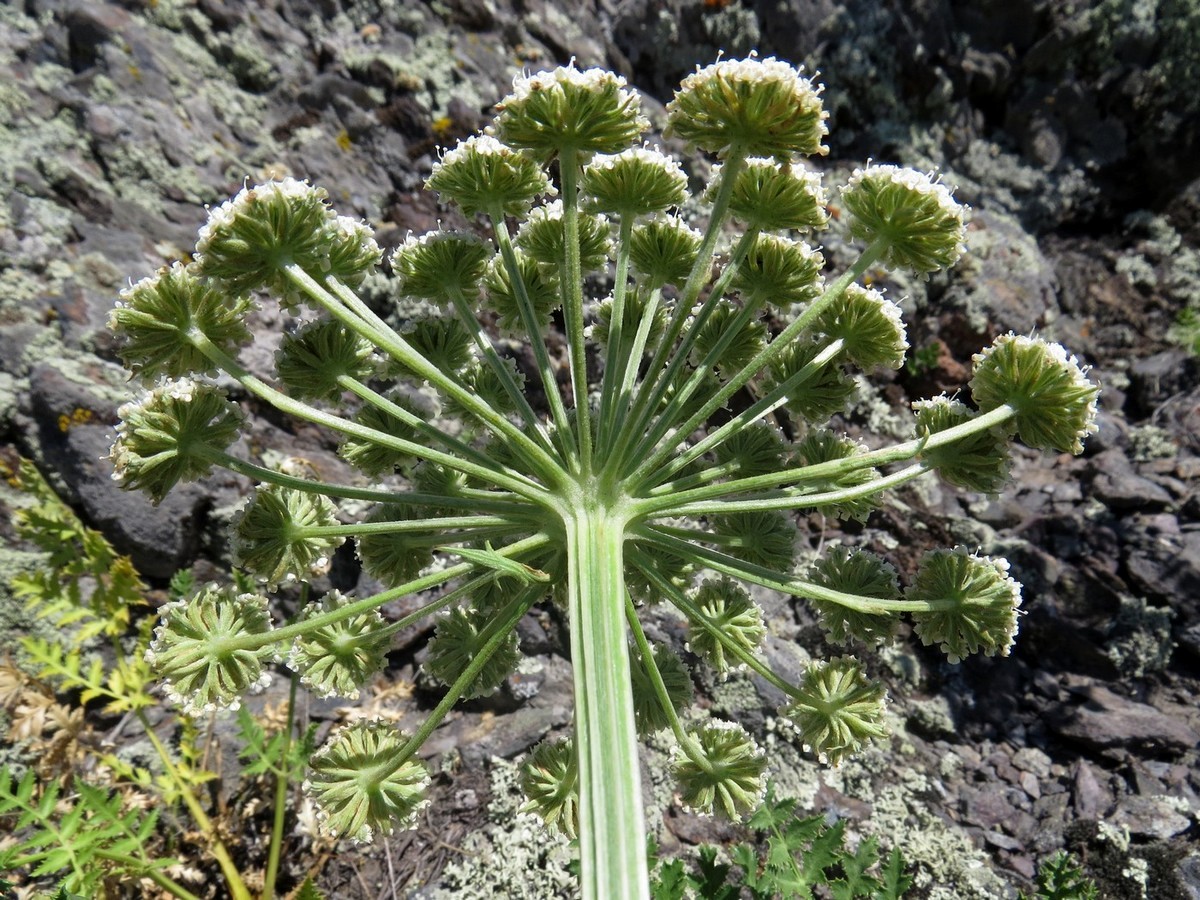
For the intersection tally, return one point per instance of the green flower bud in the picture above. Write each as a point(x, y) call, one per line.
point(756, 449)
point(664, 250)
point(250, 239)
point(838, 709)
point(376, 459)
point(976, 603)
point(541, 236)
point(194, 652)
point(437, 265)
point(745, 344)
point(586, 111)
point(1054, 401)
point(311, 359)
point(550, 780)
point(870, 325)
point(979, 462)
point(774, 197)
point(822, 394)
point(728, 607)
point(336, 659)
point(636, 182)
point(863, 574)
point(394, 557)
point(269, 540)
point(648, 713)
point(170, 435)
point(481, 174)
point(444, 342)
point(763, 107)
point(542, 285)
point(482, 381)
point(637, 303)
point(779, 271)
point(459, 639)
point(761, 537)
point(730, 779)
point(672, 569)
point(155, 318)
point(821, 445)
point(916, 214)
point(360, 785)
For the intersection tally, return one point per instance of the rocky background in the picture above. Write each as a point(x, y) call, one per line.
point(1072, 129)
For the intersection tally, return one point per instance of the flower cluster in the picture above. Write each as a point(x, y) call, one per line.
point(698, 412)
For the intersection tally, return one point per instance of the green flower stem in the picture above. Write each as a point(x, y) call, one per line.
point(623, 405)
point(650, 393)
point(484, 501)
point(694, 614)
point(233, 879)
point(353, 313)
point(795, 499)
point(656, 679)
point(732, 566)
point(281, 786)
point(498, 630)
point(366, 604)
point(670, 414)
point(760, 409)
point(619, 359)
point(463, 590)
point(764, 358)
point(405, 525)
point(303, 411)
point(612, 828)
point(464, 451)
point(653, 506)
point(572, 291)
point(471, 322)
point(533, 328)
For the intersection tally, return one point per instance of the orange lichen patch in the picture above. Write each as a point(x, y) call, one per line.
point(77, 416)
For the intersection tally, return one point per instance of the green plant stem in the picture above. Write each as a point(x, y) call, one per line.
point(624, 403)
point(471, 322)
point(162, 880)
point(618, 358)
point(281, 791)
point(612, 828)
point(653, 506)
point(366, 604)
point(656, 680)
point(764, 358)
point(405, 525)
point(533, 328)
point(572, 289)
point(233, 879)
point(353, 313)
point(307, 413)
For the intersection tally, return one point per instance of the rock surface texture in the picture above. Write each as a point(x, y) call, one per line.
point(1073, 130)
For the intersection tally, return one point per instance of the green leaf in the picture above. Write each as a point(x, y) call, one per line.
point(309, 891)
point(894, 881)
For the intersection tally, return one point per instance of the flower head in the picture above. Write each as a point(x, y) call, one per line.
point(250, 240)
point(648, 713)
point(1055, 403)
point(740, 345)
point(503, 295)
point(821, 445)
point(731, 611)
point(664, 250)
point(312, 360)
point(270, 539)
point(335, 659)
point(779, 271)
point(481, 175)
point(550, 780)
point(154, 320)
point(869, 325)
point(914, 213)
point(361, 784)
point(635, 182)
point(821, 389)
point(459, 639)
point(837, 709)
point(195, 649)
point(543, 238)
point(974, 603)
point(587, 111)
point(440, 265)
point(771, 196)
point(763, 107)
point(863, 574)
point(393, 557)
point(729, 776)
point(371, 457)
point(172, 434)
point(978, 462)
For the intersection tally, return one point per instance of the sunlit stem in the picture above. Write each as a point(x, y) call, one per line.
point(619, 357)
point(572, 293)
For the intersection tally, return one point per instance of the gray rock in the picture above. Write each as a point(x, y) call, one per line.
point(1150, 817)
point(1103, 720)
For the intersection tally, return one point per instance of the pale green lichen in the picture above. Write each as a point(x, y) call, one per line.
point(1139, 640)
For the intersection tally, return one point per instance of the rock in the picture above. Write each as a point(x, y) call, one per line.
point(1089, 797)
point(1120, 488)
point(1150, 817)
point(1107, 721)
